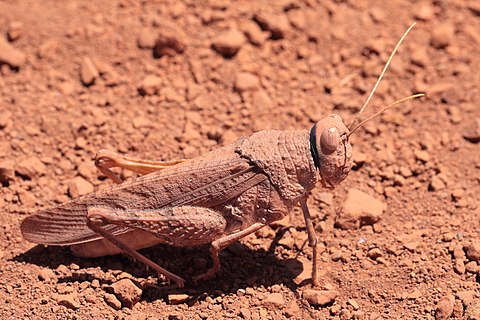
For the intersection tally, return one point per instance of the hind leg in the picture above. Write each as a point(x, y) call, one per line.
point(106, 159)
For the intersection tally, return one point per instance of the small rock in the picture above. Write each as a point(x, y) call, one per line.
point(112, 301)
point(420, 56)
point(168, 45)
point(472, 251)
point(444, 308)
point(359, 209)
point(178, 298)
point(88, 72)
point(30, 168)
point(5, 119)
point(150, 85)
point(374, 253)
point(79, 187)
point(278, 25)
point(442, 35)
point(127, 292)
point(26, 198)
point(467, 297)
point(91, 298)
point(228, 43)
point(146, 39)
point(261, 100)
point(436, 184)
point(472, 312)
point(245, 313)
point(7, 171)
point(68, 300)
point(9, 55)
point(414, 295)
point(459, 267)
point(425, 11)
point(353, 303)
point(325, 198)
point(472, 130)
point(14, 30)
point(246, 81)
point(274, 300)
point(422, 155)
point(253, 32)
point(141, 122)
point(46, 274)
point(471, 267)
point(292, 310)
point(320, 297)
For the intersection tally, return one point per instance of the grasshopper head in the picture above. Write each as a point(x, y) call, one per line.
point(331, 150)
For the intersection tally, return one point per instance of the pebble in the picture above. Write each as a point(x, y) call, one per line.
point(262, 101)
point(178, 298)
point(472, 312)
point(442, 35)
point(7, 171)
point(425, 11)
point(30, 168)
point(459, 267)
point(69, 301)
point(5, 119)
point(444, 308)
point(127, 292)
point(14, 30)
point(150, 85)
point(422, 155)
point(46, 274)
point(472, 130)
point(419, 56)
point(88, 72)
point(168, 45)
point(146, 39)
point(254, 34)
point(414, 295)
point(112, 301)
point(320, 297)
point(228, 43)
point(471, 267)
point(353, 303)
point(246, 81)
point(274, 300)
point(10, 55)
point(277, 24)
point(79, 187)
point(436, 184)
point(374, 253)
point(359, 209)
point(472, 251)
point(467, 297)
point(26, 198)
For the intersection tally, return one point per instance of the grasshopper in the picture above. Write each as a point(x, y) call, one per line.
point(217, 198)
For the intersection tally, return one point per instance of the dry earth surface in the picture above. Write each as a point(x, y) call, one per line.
point(400, 238)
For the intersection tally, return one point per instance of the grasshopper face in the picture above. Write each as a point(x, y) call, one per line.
point(331, 150)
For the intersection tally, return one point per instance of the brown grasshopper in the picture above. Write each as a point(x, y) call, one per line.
point(216, 199)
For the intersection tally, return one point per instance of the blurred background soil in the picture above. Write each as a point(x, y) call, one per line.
point(174, 79)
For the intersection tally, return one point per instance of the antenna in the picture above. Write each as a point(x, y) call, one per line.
point(384, 109)
point(380, 79)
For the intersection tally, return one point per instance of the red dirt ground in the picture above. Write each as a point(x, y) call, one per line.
point(80, 76)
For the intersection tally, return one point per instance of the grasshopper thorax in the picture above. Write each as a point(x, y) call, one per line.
point(331, 150)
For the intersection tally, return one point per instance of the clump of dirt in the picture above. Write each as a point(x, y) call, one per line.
point(169, 80)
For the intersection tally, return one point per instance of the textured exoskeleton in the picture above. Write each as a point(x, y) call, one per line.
point(216, 198)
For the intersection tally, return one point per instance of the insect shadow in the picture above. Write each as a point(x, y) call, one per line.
point(242, 267)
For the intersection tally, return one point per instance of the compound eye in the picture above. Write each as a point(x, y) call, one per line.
point(329, 139)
